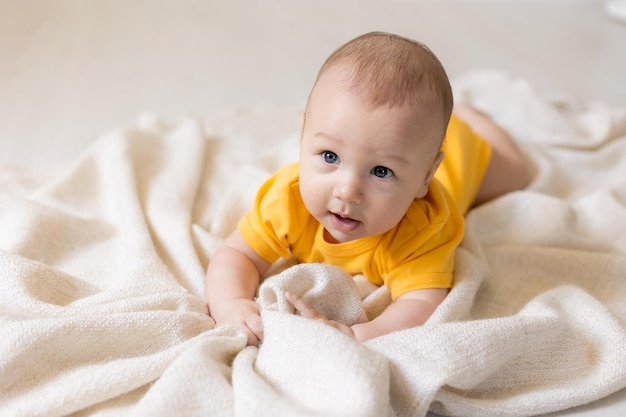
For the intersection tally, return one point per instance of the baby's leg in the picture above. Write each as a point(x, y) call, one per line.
point(507, 170)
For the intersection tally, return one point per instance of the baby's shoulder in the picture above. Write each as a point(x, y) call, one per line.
point(437, 207)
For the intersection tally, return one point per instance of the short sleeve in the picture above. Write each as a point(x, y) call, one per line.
point(273, 220)
point(466, 159)
point(421, 254)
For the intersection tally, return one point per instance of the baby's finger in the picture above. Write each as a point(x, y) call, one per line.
point(252, 339)
point(255, 325)
point(303, 308)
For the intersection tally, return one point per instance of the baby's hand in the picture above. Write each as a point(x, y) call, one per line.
point(244, 314)
point(309, 312)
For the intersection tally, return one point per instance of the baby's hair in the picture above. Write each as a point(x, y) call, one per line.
point(391, 70)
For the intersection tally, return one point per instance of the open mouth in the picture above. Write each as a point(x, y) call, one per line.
point(344, 224)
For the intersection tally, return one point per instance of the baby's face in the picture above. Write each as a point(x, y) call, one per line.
point(361, 167)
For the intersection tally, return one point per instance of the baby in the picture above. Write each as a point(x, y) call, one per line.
point(372, 192)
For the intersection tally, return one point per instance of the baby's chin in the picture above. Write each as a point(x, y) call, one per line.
point(336, 238)
point(328, 237)
point(341, 237)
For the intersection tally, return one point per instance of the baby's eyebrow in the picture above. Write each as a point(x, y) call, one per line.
point(396, 158)
point(327, 136)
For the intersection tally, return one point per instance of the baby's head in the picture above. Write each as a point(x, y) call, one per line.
point(372, 133)
point(389, 70)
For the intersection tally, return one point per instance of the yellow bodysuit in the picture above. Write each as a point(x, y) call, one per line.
point(417, 253)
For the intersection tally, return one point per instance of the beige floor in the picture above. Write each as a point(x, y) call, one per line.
point(72, 69)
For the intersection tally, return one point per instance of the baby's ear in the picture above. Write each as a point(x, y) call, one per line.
point(438, 160)
point(431, 174)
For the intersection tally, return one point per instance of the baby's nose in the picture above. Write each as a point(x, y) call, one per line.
point(348, 189)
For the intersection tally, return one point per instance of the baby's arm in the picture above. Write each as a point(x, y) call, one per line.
point(409, 310)
point(231, 283)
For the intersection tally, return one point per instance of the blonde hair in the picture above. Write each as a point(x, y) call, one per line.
point(391, 70)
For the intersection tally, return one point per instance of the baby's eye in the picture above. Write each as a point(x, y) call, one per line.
point(330, 157)
point(382, 172)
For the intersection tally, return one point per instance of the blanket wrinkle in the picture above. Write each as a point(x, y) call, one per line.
point(102, 265)
point(344, 380)
point(255, 397)
point(328, 289)
point(337, 380)
point(202, 371)
point(93, 364)
point(33, 290)
point(155, 173)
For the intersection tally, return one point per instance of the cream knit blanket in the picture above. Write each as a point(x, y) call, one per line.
point(102, 263)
